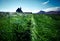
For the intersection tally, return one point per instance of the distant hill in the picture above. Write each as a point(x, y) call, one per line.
point(50, 12)
point(55, 10)
point(41, 12)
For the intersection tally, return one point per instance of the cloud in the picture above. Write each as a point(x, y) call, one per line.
point(44, 3)
point(33, 11)
point(52, 9)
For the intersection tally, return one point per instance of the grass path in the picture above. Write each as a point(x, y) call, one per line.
point(33, 29)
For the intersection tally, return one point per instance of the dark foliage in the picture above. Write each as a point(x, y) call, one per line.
point(19, 10)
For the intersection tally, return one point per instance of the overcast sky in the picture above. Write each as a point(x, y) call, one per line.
point(27, 5)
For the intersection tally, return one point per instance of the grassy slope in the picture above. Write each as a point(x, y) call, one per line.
point(47, 27)
point(30, 27)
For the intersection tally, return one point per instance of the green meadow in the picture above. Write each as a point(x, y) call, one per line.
point(29, 27)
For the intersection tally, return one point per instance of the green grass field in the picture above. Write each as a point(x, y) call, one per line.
point(29, 27)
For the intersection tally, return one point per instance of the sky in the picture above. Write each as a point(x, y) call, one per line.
point(27, 5)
